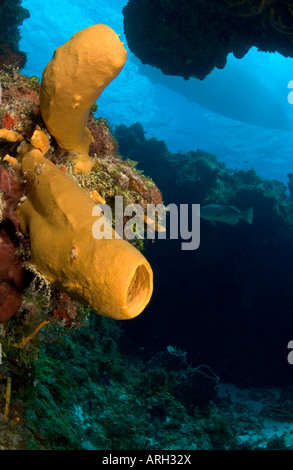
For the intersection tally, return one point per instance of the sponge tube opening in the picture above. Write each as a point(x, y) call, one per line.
point(139, 291)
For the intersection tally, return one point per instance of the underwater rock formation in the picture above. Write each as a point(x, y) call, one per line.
point(12, 14)
point(197, 385)
point(11, 274)
point(189, 38)
point(8, 56)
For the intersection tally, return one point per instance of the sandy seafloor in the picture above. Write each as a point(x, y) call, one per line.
point(255, 416)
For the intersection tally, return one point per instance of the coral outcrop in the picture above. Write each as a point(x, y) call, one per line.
point(116, 401)
point(189, 38)
point(12, 14)
point(11, 269)
point(9, 56)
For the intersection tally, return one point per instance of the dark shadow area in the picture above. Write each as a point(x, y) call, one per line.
point(228, 303)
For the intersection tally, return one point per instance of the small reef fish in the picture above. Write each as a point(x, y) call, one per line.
point(229, 214)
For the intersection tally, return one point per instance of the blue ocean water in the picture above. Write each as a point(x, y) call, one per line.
point(253, 89)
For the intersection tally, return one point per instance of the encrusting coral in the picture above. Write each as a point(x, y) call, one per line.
point(11, 270)
point(71, 83)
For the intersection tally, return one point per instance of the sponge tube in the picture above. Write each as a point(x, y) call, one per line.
point(71, 83)
point(109, 275)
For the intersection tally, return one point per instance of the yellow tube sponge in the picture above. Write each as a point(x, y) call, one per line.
point(71, 83)
point(109, 275)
